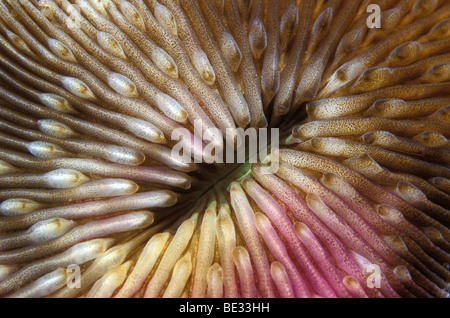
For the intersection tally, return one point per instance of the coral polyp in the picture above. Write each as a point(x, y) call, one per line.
point(349, 197)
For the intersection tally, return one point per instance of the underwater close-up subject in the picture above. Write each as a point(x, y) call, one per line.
point(224, 149)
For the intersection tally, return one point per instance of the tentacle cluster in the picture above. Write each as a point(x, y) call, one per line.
point(91, 91)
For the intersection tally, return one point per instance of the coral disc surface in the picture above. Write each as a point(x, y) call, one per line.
point(122, 121)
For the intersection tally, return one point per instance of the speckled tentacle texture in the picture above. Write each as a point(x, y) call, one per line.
point(98, 98)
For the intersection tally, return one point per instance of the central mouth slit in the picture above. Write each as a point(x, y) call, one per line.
point(211, 182)
point(217, 177)
point(232, 171)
